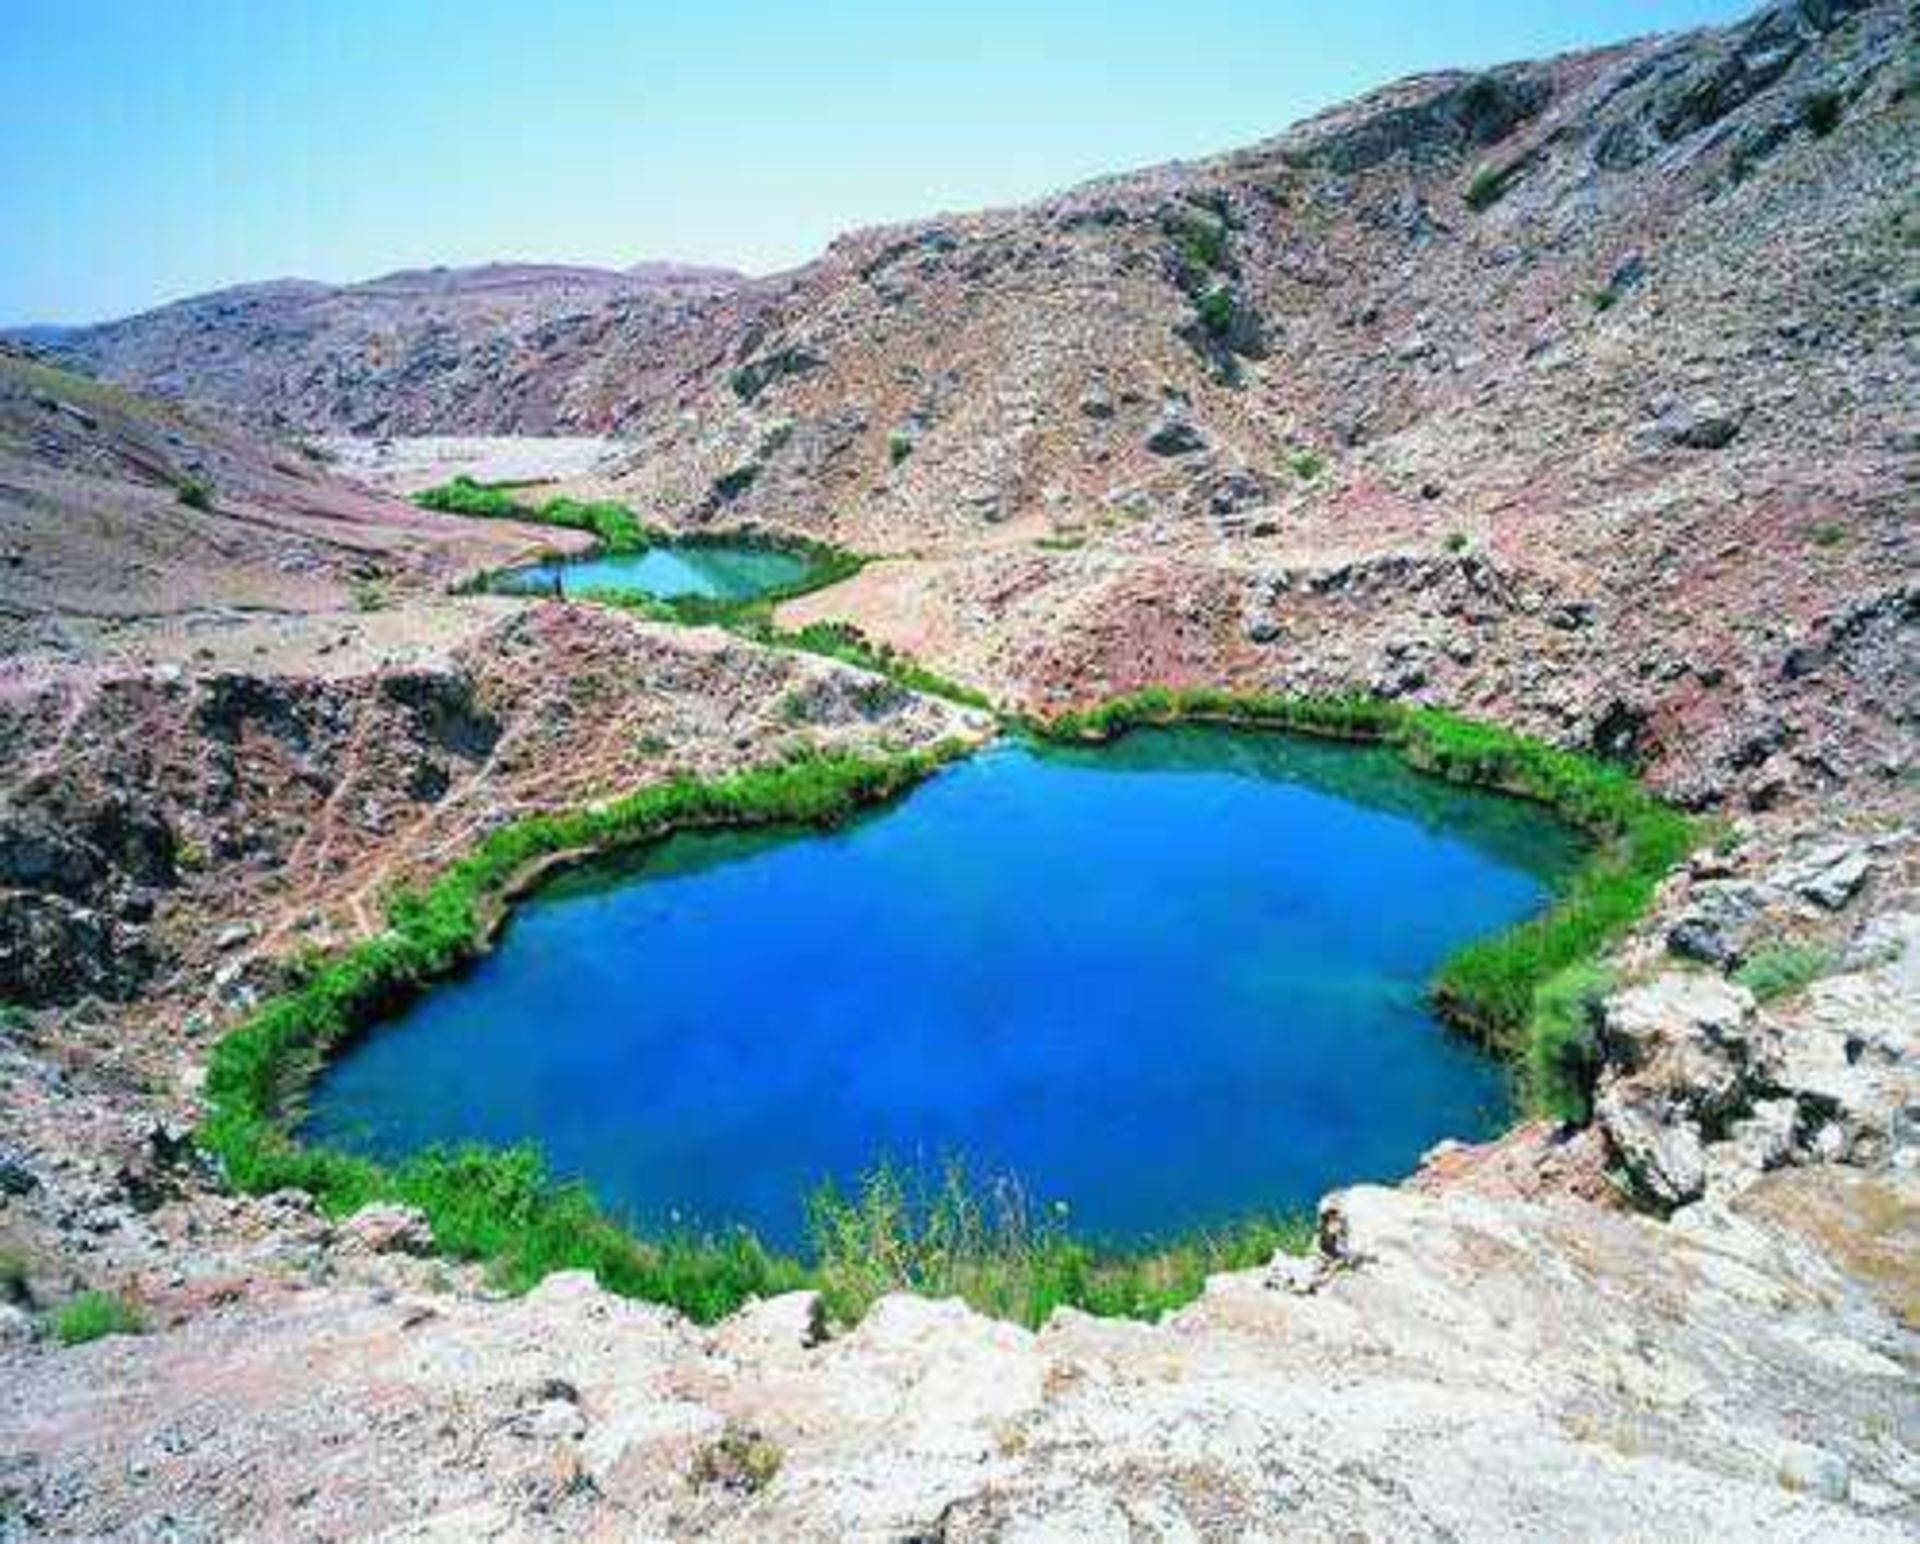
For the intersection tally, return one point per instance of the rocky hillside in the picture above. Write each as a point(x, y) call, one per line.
point(119, 511)
point(406, 353)
point(1571, 391)
point(1567, 390)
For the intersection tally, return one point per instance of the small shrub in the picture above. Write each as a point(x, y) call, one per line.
point(874, 698)
point(1216, 309)
point(1828, 533)
point(1821, 111)
point(731, 485)
point(1605, 299)
point(369, 595)
point(1562, 1036)
point(899, 446)
point(93, 1315)
point(651, 745)
point(739, 1459)
point(1201, 240)
point(1306, 464)
point(196, 493)
point(1783, 969)
point(16, 1277)
point(1487, 187)
point(1457, 541)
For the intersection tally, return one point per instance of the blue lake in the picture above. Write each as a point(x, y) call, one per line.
point(665, 571)
point(1168, 981)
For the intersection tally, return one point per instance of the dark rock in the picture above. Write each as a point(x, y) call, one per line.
point(1172, 435)
point(53, 950)
point(1616, 733)
point(756, 375)
point(442, 712)
point(16, 1179)
point(1718, 922)
point(36, 855)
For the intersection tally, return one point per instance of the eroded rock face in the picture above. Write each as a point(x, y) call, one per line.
point(1449, 1365)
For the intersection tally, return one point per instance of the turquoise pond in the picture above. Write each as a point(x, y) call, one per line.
point(665, 571)
point(1168, 981)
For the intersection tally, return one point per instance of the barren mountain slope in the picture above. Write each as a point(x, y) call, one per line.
point(409, 352)
point(1625, 454)
point(123, 517)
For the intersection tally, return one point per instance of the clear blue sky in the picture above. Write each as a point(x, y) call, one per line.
point(153, 148)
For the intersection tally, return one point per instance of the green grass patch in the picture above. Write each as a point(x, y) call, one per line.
point(1563, 1056)
point(1488, 186)
point(990, 1245)
point(195, 493)
point(613, 525)
point(1779, 970)
point(842, 641)
point(846, 643)
point(1488, 987)
point(94, 1315)
point(1216, 307)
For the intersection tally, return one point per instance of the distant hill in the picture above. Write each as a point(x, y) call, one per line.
point(413, 351)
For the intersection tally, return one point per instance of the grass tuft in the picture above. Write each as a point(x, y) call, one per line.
point(94, 1315)
point(991, 1246)
point(1562, 1042)
point(1487, 187)
point(1780, 970)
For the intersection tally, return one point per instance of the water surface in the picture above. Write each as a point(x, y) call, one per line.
point(1167, 981)
point(666, 571)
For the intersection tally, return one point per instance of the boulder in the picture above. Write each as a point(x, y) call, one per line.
point(1718, 922)
point(16, 1179)
point(1703, 424)
point(1660, 1149)
point(1828, 876)
point(384, 1227)
point(1679, 1010)
point(1096, 403)
point(1173, 435)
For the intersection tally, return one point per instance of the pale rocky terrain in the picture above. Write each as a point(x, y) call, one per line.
point(410, 463)
point(1301, 416)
